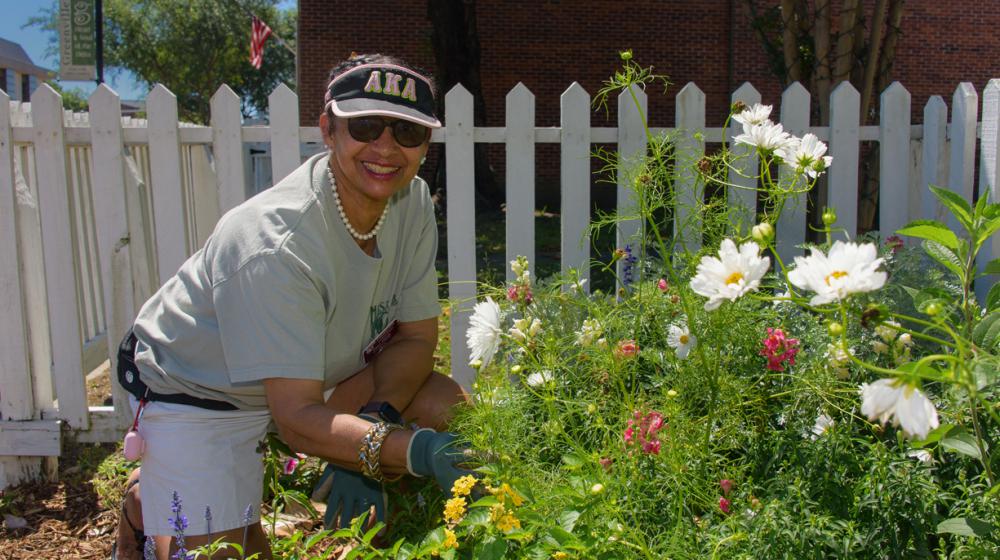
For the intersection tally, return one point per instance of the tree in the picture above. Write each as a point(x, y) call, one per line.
point(193, 47)
point(808, 43)
point(455, 40)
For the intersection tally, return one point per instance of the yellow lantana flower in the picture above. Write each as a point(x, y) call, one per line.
point(559, 555)
point(450, 541)
point(463, 486)
point(454, 510)
point(504, 492)
point(502, 519)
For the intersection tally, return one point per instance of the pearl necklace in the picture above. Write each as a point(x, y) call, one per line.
point(343, 215)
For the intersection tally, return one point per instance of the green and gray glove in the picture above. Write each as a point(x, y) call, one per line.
point(350, 492)
point(435, 454)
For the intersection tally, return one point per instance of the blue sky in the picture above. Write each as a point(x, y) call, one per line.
point(17, 12)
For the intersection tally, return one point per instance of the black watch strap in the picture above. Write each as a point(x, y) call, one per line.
point(385, 410)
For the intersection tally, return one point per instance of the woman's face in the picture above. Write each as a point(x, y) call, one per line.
point(372, 171)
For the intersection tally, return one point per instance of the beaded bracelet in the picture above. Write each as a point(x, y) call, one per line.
point(370, 452)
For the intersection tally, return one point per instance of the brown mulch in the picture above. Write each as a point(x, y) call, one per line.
point(65, 518)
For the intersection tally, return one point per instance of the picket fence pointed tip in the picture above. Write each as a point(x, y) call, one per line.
point(993, 84)
point(964, 91)
point(936, 102)
point(5, 100)
point(896, 89)
point(575, 89)
point(746, 92)
point(224, 94)
point(794, 89)
point(691, 90)
point(281, 93)
point(102, 91)
point(44, 94)
point(158, 91)
point(457, 92)
point(520, 90)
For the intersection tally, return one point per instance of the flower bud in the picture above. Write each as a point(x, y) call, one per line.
point(933, 309)
point(597, 488)
point(626, 55)
point(762, 233)
point(829, 217)
point(476, 364)
point(835, 328)
point(738, 107)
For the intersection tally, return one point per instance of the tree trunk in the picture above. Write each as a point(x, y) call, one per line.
point(789, 41)
point(844, 57)
point(455, 40)
point(892, 34)
point(872, 58)
point(822, 41)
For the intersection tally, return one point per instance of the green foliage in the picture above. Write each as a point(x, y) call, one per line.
point(193, 48)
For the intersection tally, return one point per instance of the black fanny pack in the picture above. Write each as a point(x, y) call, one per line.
point(128, 377)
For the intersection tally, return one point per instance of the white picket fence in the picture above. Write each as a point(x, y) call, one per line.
point(96, 211)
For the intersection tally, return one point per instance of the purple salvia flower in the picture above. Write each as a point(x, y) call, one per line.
point(149, 549)
point(179, 522)
point(247, 515)
point(208, 522)
point(629, 266)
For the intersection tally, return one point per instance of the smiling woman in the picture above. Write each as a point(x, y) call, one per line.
point(313, 305)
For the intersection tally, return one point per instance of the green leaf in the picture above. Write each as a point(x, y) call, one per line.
point(986, 334)
point(492, 549)
point(993, 298)
point(992, 267)
point(933, 230)
point(485, 501)
point(945, 256)
point(956, 204)
point(564, 538)
point(985, 371)
point(934, 436)
point(479, 517)
point(573, 461)
point(965, 526)
point(567, 520)
point(961, 441)
point(989, 227)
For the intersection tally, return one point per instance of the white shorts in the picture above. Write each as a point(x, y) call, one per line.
point(209, 457)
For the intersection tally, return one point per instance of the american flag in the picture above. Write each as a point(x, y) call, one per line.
point(258, 35)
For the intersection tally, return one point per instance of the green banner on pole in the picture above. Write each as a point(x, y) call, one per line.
point(77, 40)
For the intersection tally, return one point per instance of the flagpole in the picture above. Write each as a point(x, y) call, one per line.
point(273, 34)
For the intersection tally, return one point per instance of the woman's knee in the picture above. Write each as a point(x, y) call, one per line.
point(433, 405)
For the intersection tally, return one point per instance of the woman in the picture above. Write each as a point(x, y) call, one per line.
point(324, 282)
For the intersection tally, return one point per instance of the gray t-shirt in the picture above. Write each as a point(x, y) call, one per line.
point(280, 289)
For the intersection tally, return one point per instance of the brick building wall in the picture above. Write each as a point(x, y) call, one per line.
point(548, 44)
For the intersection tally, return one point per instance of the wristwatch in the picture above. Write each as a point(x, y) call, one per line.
point(384, 410)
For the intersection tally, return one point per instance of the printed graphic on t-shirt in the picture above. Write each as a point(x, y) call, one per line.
point(378, 315)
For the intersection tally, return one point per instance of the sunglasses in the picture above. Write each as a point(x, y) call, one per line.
point(368, 129)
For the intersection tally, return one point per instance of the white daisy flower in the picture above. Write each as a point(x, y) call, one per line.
point(679, 337)
point(589, 332)
point(758, 114)
point(540, 378)
point(849, 268)
point(766, 136)
point(805, 155)
point(734, 273)
point(907, 407)
point(823, 423)
point(483, 336)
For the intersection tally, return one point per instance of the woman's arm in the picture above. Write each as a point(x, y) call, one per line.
point(405, 363)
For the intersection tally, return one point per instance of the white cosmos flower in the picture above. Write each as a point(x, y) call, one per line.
point(849, 268)
point(908, 408)
point(758, 114)
point(921, 455)
point(805, 155)
point(823, 423)
point(766, 136)
point(734, 273)
point(679, 337)
point(483, 336)
point(540, 378)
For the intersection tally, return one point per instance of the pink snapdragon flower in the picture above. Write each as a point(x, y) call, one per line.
point(292, 463)
point(643, 430)
point(520, 293)
point(778, 349)
point(662, 285)
point(627, 349)
point(724, 505)
point(894, 243)
point(726, 485)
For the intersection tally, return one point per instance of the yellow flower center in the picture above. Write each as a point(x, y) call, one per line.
point(684, 339)
point(835, 274)
point(734, 278)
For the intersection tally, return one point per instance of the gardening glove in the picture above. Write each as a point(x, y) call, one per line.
point(352, 493)
point(435, 454)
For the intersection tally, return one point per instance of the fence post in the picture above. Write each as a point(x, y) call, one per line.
point(574, 157)
point(842, 180)
point(60, 258)
point(894, 159)
point(227, 147)
point(16, 398)
point(742, 192)
point(989, 157)
point(791, 226)
point(689, 194)
point(167, 190)
point(632, 113)
point(963, 144)
point(283, 108)
point(520, 180)
point(934, 170)
point(111, 222)
point(461, 215)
